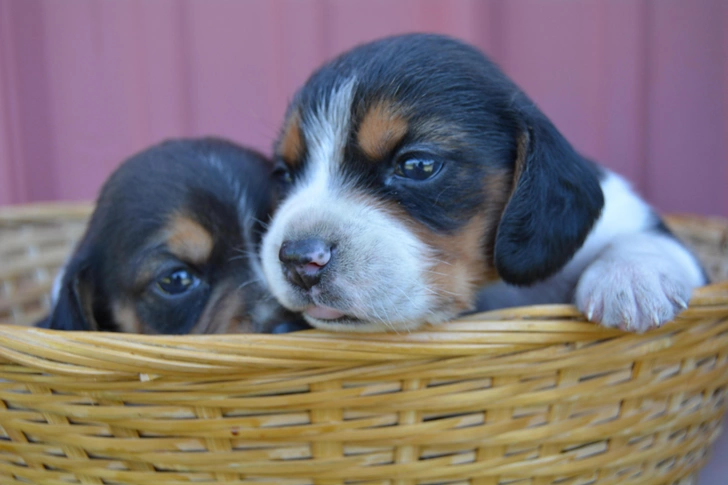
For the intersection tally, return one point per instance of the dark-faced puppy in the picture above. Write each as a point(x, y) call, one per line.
point(419, 173)
point(172, 246)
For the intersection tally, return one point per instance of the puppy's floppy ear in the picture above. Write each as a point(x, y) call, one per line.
point(73, 307)
point(555, 200)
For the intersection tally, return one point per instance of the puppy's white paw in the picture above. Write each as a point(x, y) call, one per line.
point(634, 294)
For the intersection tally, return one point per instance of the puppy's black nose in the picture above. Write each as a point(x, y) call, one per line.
point(304, 260)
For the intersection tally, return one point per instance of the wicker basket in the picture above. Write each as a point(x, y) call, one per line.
point(527, 396)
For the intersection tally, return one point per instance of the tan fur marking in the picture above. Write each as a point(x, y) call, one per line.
point(464, 260)
point(381, 129)
point(224, 313)
point(446, 134)
point(461, 264)
point(188, 240)
point(521, 154)
point(85, 294)
point(498, 189)
point(290, 145)
point(127, 319)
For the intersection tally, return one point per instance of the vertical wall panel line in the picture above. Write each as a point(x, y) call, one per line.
point(183, 22)
point(9, 143)
point(643, 114)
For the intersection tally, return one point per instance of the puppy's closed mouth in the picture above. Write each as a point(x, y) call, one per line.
point(324, 313)
point(328, 315)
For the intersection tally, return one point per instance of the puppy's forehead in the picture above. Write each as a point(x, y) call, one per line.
point(381, 129)
point(373, 96)
point(326, 123)
point(325, 128)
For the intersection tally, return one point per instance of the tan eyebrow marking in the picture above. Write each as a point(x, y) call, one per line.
point(188, 240)
point(381, 129)
point(290, 146)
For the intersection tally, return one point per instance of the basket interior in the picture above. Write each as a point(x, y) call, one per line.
point(34, 243)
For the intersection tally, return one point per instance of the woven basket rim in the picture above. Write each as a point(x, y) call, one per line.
point(525, 319)
point(101, 355)
point(520, 328)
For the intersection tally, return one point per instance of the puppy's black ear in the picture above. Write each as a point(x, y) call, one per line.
point(73, 307)
point(555, 200)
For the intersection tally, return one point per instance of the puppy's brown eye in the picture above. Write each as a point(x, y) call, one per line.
point(177, 282)
point(417, 168)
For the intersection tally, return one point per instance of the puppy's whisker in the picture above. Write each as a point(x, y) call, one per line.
point(400, 316)
point(265, 298)
point(382, 317)
point(436, 272)
point(441, 292)
point(265, 225)
point(435, 261)
point(404, 293)
point(247, 283)
point(388, 322)
point(437, 199)
point(246, 253)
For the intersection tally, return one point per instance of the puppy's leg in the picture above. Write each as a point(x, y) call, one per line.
point(630, 273)
point(637, 282)
point(636, 275)
point(557, 289)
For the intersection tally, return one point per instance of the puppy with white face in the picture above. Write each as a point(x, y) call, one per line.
point(172, 245)
point(422, 183)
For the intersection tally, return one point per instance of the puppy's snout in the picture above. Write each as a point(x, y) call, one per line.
point(304, 260)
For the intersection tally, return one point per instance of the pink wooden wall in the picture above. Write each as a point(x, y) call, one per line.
point(640, 85)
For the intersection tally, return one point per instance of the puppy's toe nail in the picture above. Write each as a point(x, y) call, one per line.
point(590, 313)
point(627, 320)
point(679, 301)
point(655, 319)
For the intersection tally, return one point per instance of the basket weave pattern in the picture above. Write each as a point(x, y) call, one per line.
point(526, 396)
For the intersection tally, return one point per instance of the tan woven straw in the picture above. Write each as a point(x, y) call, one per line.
point(526, 396)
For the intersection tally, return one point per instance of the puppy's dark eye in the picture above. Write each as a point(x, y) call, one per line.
point(282, 174)
point(177, 282)
point(416, 168)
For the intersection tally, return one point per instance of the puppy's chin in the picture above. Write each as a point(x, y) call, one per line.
point(346, 324)
point(367, 320)
point(352, 324)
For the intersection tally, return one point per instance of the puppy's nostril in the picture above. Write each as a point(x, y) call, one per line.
point(304, 260)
